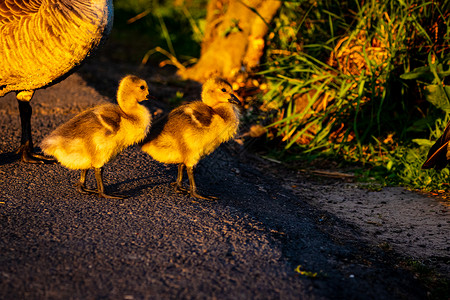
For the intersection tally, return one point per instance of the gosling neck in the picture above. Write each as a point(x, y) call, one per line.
point(128, 106)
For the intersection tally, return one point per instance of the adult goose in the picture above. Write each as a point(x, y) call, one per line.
point(41, 42)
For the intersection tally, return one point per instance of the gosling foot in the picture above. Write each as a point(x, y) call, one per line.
point(86, 191)
point(194, 194)
point(111, 196)
point(179, 188)
point(27, 155)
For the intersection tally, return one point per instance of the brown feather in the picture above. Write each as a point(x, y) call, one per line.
point(42, 40)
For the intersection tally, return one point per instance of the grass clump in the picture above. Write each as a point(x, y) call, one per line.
point(361, 81)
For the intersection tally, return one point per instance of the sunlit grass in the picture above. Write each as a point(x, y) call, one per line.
point(351, 81)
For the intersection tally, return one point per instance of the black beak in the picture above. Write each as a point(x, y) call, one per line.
point(150, 97)
point(234, 100)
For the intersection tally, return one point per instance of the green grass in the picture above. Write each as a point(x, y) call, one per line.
point(361, 83)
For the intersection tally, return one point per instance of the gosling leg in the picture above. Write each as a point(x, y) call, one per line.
point(193, 187)
point(101, 188)
point(26, 143)
point(179, 183)
point(81, 185)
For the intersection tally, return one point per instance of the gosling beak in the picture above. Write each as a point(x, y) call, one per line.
point(234, 100)
point(148, 97)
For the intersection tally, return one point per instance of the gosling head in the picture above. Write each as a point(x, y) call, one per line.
point(132, 89)
point(217, 91)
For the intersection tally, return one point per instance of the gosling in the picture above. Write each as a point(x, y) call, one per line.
point(194, 130)
point(97, 135)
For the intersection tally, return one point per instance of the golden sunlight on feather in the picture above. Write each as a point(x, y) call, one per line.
point(194, 130)
point(95, 136)
point(41, 42)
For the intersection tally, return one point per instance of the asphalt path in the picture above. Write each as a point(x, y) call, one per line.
point(257, 241)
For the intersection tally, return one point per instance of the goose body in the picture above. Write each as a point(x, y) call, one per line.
point(42, 41)
point(95, 136)
point(194, 130)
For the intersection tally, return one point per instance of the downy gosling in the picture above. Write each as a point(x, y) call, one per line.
point(194, 130)
point(95, 136)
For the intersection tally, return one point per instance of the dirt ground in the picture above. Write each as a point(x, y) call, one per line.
point(270, 224)
point(413, 224)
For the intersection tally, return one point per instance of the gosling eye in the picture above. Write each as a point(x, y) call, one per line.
point(142, 87)
point(223, 90)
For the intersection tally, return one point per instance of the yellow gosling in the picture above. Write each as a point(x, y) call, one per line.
point(41, 42)
point(194, 130)
point(95, 136)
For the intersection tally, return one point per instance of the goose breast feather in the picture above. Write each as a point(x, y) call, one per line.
point(42, 40)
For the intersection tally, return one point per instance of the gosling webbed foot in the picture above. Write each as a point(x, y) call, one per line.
point(194, 194)
point(111, 196)
point(179, 188)
point(85, 191)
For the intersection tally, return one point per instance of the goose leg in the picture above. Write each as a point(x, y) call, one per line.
point(26, 144)
point(101, 188)
point(179, 183)
point(193, 187)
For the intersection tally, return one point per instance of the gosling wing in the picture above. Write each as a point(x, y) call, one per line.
point(109, 117)
point(193, 115)
point(197, 114)
point(103, 118)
